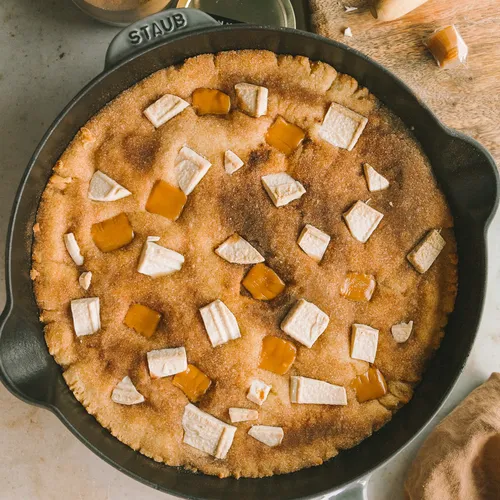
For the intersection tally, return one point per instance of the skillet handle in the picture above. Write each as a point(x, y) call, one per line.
point(357, 491)
point(25, 366)
point(472, 177)
point(154, 29)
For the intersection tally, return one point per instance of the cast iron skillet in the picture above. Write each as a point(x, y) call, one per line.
point(464, 169)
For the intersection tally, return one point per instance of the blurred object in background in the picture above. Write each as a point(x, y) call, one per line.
point(262, 12)
point(120, 12)
point(388, 10)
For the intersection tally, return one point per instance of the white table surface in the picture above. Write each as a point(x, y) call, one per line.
point(48, 51)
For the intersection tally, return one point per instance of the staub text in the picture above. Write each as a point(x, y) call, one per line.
point(157, 29)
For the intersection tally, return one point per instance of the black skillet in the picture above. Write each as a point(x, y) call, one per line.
point(464, 169)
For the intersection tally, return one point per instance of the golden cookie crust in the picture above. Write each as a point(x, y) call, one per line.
point(122, 143)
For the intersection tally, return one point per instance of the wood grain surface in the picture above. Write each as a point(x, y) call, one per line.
point(466, 98)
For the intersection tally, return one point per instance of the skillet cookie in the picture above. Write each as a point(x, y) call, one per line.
point(244, 264)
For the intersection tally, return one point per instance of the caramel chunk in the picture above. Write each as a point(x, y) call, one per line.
point(277, 355)
point(112, 234)
point(142, 319)
point(166, 200)
point(358, 287)
point(263, 283)
point(211, 102)
point(284, 136)
point(447, 47)
point(369, 385)
point(193, 382)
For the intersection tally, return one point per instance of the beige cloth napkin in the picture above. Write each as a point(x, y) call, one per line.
point(460, 460)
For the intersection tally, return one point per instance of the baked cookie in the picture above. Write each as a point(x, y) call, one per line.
point(244, 264)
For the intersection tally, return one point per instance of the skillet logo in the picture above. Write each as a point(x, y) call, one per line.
point(157, 29)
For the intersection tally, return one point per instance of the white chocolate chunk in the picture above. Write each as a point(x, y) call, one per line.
point(305, 390)
point(242, 414)
point(364, 342)
point(305, 322)
point(165, 109)
point(86, 316)
point(232, 162)
point(374, 180)
point(342, 127)
point(104, 188)
point(362, 220)
point(85, 280)
point(258, 392)
point(220, 323)
point(73, 248)
point(402, 331)
point(282, 188)
point(206, 433)
point(252, 99)
point(314, 242)
point(426, 252)
point(125, 393)
point(348, 32)
point(167, 362)
point(350, 9)
point(190, 169)
point(237, 250)
point(267, 434)
point(156, 261)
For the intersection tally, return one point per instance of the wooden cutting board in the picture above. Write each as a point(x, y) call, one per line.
point(466, 98)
